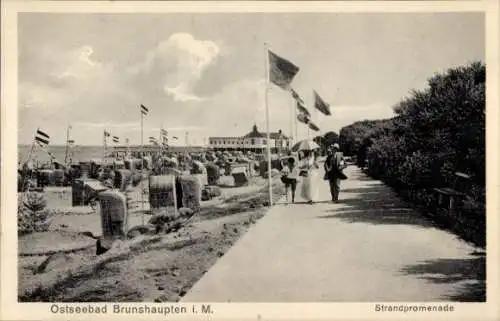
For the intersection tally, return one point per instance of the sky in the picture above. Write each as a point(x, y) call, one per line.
point(205, 73)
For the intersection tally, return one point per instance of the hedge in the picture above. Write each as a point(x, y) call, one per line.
point(436, 132)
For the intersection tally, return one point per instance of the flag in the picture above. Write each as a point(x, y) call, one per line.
point(296, 96)
point(175, 137)
point(144, 110)
point(281, 71)
point(301, 106)
point(321, 105)
point(313, 126)
point(303, 118)
point(303, 110)
point(152, 140)
point(106, 134)
point(42, 138)
point(116, 139)
point(163, 132)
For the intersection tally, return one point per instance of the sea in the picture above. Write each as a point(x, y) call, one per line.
point(79, 153)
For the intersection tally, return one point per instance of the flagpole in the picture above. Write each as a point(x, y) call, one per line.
point(292, 113)
point(32, 146)
point(160, 139)
point(142, 149)
point(27, 161)
point(103, 145)
point(296, 137)
point(268, 145)
point(67, 142)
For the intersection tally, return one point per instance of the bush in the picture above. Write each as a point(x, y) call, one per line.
point(436, 132)
point(213, 173)
point(32, 214)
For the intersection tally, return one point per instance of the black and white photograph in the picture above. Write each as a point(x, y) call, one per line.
point(251, 157)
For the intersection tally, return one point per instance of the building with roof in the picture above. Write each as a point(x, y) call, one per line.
point(253, 141)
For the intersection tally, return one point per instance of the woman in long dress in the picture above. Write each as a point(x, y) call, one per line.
point(309, 189)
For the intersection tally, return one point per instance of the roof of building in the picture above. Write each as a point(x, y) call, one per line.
point(256, 134)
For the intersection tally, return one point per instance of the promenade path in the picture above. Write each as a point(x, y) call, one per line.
point(369, 247)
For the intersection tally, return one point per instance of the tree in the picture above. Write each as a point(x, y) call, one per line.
point(330, 138)
point(436, 132)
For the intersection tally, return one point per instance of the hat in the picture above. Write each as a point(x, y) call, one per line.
point(336, 146)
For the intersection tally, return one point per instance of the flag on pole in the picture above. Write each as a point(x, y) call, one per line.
point(281, 71)
point(303, 118)
point(303, 110)
point(320, 104)
point(175, 137)
point(153, 140)
point(301, 106)
point(164, 132)
point(116, 139)
point(144, 110)
point(313, 126)
point(296, 96)
point(42, 138)
point(107, 134)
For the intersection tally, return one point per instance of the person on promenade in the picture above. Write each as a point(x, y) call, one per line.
point(333, 170)
point(290, 174)
point(309, 170)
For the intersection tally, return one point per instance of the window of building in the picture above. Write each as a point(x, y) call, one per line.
point(264, 141)
point(253, 141)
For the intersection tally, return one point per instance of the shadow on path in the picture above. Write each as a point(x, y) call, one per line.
point(471, 272)
point(376, 204)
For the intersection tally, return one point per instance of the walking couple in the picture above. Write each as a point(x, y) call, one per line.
point(308, 169)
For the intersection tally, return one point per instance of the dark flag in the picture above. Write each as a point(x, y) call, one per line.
point(296, 96)
point(313, 126)
point(175, 137)
point(303, 110)
point(152, 140)
point(303, 118)
point(116, 139)
point(281, 71)
point(106, 134)
point(144, 110)
point(42, 138)
point(320, 105)
point(301, 106)
point(164, 132)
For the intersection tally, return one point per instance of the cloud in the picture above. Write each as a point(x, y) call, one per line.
point(77, 64)
point(181, 93)
point(67, 79)
point(179, 63)
point(237, 106)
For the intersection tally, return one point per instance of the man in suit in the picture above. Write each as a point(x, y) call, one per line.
point(333, 170)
